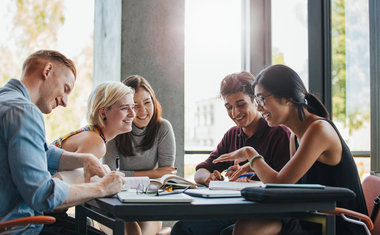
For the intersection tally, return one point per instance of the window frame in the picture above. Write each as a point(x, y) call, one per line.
point(374, 32)
point(257, 55)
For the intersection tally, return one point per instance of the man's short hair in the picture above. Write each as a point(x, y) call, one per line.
point(237, 82)
point(35, 59)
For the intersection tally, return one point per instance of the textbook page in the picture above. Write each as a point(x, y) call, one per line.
point(233, 185)
point(173, 180)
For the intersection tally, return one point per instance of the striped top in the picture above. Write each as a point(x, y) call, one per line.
point(95, 128)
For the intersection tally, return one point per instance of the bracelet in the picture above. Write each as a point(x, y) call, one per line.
point(252, 159)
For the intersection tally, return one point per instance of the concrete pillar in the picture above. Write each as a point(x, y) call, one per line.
point(145, 37)
point(107, 41)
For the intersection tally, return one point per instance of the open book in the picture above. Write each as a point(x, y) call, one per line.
point(173, 180)
point(233, 185)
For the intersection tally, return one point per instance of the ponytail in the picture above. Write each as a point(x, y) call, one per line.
point(315, 106)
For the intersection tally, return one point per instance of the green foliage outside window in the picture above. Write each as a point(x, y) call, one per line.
point(34, 26)
point(353, 119)
point(338, 46)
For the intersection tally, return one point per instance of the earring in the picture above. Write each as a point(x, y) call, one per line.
point(104, 118)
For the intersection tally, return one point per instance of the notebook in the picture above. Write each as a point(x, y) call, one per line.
point(207, 193)
point(131, 196)
point(233, 185)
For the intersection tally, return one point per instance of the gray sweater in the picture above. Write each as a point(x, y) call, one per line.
point(161, 154)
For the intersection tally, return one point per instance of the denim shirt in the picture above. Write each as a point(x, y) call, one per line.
point(26, 162)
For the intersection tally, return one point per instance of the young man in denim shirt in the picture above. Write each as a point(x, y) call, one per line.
point(26, 162)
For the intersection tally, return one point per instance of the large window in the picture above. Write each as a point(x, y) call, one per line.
point(210, 54)
point(350, 76)
point(212, 50)
point(289, 35)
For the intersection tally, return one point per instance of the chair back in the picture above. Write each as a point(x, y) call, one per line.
point(371, 190)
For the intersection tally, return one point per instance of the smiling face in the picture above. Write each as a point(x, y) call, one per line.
point(58, 83)
point(242, 110)
point(144, 108)
point(120, 115)
point(274, 111)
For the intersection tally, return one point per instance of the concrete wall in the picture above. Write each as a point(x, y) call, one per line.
point(145, 37)
point(107, 41)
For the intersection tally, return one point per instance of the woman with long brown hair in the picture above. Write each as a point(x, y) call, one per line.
point(149, 149)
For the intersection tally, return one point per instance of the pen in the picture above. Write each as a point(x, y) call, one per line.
point(246, 175)
point(117, 163)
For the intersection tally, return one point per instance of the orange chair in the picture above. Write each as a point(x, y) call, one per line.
point(371, 190)
point(7, 227)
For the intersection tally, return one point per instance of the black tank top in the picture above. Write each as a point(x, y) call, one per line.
point(344, 174)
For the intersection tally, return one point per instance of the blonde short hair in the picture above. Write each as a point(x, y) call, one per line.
point(104, 96)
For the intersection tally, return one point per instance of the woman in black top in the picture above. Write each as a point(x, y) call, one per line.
point(322, 157)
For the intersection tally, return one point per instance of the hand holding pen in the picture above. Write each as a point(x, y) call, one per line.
point(231, 170)
point(215, 175)
point(240, 172)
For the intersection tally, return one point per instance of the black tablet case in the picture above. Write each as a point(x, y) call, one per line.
point(260, 194)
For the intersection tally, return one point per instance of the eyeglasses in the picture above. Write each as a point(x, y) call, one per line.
point(151, 189)
point(260, 100)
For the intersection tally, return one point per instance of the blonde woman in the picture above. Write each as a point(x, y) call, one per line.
point(110, 112)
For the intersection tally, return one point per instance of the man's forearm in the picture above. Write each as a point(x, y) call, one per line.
point(79, 193)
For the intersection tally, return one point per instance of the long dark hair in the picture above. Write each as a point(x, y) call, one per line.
point(284, 82)
point(123, 141)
